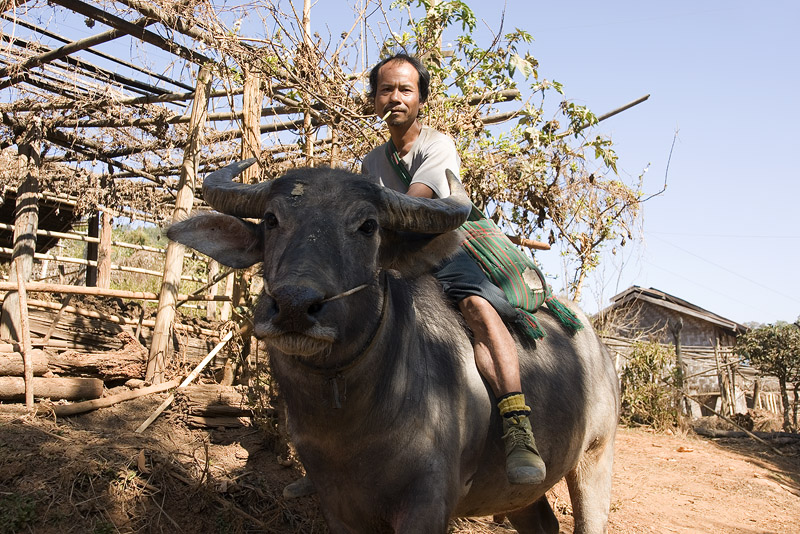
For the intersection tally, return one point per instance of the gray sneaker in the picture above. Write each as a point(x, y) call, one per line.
point(523, 463)
point(302, 487)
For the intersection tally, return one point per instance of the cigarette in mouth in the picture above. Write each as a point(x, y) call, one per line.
point(387, 114)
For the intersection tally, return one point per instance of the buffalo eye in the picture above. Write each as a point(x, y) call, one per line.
point(270, 221)
point(368, 227)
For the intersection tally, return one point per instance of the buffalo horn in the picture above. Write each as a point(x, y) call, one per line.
point(240, 200)
point(426, 215)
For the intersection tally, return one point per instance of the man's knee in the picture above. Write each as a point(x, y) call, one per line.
point(481, 316)
point(475, 306)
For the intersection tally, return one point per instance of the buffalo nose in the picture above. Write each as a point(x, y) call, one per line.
point(295, 307)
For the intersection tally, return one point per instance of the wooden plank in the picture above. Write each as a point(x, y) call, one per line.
point(83, 334)
point(213, 400)
point(198, 421)
point(92, 249)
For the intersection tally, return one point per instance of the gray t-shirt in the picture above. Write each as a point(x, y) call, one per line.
point(431, 154)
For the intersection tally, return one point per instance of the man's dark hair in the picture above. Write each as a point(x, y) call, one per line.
point(424, 76)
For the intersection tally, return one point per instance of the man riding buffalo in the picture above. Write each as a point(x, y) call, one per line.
point(414, 161)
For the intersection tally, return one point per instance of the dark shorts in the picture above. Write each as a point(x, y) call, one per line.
point(462, 277)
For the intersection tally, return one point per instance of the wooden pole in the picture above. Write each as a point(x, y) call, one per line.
point(722, 377)
point(26, 222)
point(86, 44)
point(335, 148)
point(227, 304)
point(251, 147)
point(104, 402)
point(13, 363)
point(79, 261)
point(69, 388)
point(730, 367)
point(251, 118)
point(308, 45)
point(173, 262)
point(132, 29)
point(83, 67)
point(26, 335)
point(104, 251)
point(171, 19)
point(757, 405)
point(105, 317)
point(79, 290)
point(92, 250)
point(211, 306)
point(675, 328)
point(133, 101)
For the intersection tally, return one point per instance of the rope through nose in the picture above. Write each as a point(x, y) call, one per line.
point(335, 297)
point(346, 293)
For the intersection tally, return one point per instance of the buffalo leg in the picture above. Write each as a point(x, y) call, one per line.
point(425, 509)
point(430, 519)
point(537, 518)
point(590, 489)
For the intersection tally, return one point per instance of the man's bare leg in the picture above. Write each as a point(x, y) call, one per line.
point(498, 362)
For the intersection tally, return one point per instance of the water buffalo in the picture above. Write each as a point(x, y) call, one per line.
point(386, 408)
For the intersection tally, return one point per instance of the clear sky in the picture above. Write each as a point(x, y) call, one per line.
point(723, 77)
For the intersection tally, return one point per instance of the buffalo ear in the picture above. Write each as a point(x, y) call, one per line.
point(229, 240)
point(415, 254)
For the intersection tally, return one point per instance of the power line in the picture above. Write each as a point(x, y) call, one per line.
point(759, 284)
point(706, 287)
point(735, 236)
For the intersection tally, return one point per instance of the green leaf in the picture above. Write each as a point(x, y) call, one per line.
point(518, 62)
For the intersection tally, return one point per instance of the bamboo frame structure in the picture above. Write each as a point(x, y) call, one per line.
point(118, 135)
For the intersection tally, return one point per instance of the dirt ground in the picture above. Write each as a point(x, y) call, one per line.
point(93, 474)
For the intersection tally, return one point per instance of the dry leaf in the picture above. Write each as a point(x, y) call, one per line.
point(141, 463)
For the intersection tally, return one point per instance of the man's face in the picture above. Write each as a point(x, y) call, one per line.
point(398, 91)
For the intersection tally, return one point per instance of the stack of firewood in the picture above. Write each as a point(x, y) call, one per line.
point(213, 406)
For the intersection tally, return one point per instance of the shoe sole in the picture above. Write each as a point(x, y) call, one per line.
point(526, 476)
